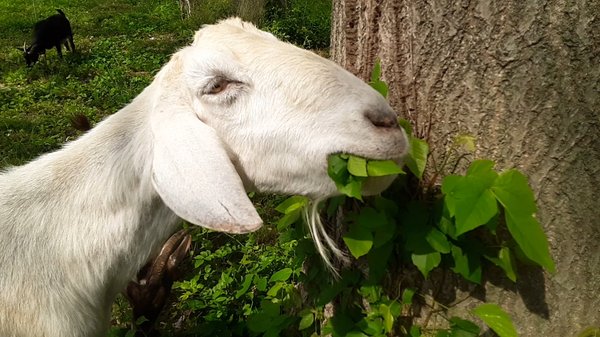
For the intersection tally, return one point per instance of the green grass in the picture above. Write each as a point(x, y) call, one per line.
point(120, 46)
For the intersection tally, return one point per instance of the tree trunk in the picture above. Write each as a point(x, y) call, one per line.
point(524, 78)
point(251, 10)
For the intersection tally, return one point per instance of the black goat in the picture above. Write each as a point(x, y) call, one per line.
point(50, 32)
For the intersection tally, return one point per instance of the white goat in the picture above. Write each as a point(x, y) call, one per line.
point(238, 110)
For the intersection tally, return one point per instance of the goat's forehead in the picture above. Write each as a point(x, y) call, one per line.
point(258, 52)
point(229, 30)
point(252, 49)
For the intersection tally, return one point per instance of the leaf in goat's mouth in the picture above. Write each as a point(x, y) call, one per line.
point(349, 172)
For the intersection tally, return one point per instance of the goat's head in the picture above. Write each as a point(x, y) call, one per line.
point(30, 54)
point(239, 110)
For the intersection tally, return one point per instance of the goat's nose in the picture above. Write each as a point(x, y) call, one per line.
point(382, 119)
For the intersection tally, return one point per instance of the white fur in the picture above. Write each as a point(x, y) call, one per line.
point(77, 224)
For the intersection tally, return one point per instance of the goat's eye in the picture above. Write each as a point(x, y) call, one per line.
point(217, 86)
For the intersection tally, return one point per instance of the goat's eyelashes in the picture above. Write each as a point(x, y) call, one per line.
point(221, 90)
point(217, 86)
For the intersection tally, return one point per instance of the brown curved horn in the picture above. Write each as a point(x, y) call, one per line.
point(179, 255)
point(158, 269)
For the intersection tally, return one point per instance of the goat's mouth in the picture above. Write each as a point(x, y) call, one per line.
point(393, 155)
point(345, 168)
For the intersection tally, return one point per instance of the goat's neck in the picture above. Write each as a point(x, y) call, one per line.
point(136, 216)
point(92, 208)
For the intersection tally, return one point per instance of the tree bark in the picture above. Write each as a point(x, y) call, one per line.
point(251, 10)
point(524, 78)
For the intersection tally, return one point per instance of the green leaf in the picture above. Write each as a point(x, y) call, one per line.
point(470, 198)
point(357, 166)
point(378, 258)
point(281, 275)
point(383, 235)
point(530, 237)
point(353, 188)
point(245, 285)
point(141, 320)
point(376, 82)
point(396, 308)
point(259, 322)
point(327, 294)
point(467, 265)
point(337, 168)
point(426, 262)
point(405, 124)
point(288, 219)
point(496, 319)
point(445, 221)
point(306, 321)
point(292, 204)
point(442, 333)
point(270, 308)
point(292, 209)
point(356, 334)
point(381, 87)
point(513, 192)
point(371, 327)
point(506, 261)
point(482, 168)
point(121, 332)
point(372, 292)
point(261, 283)
point(359, 240)
point(348, 172)
point(438, 241)
point(388, 318)
point(467, 142)
point(448, 185)
point(370, 218)
point(378, 168)
point(386, 206)
point(376, 74)
point(417, 156)
point(415, 228)
point(275, 289)
point(373, 220)
point(590, 332)
point(407, 296)
point(415, 331)
point(463, 328)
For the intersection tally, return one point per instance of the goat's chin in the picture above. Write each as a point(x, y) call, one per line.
point(376, 185)
point(371, 186)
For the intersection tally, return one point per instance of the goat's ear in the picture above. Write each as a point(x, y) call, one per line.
point(194, 175)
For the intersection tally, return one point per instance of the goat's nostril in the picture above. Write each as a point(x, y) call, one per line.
point(382, 119)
